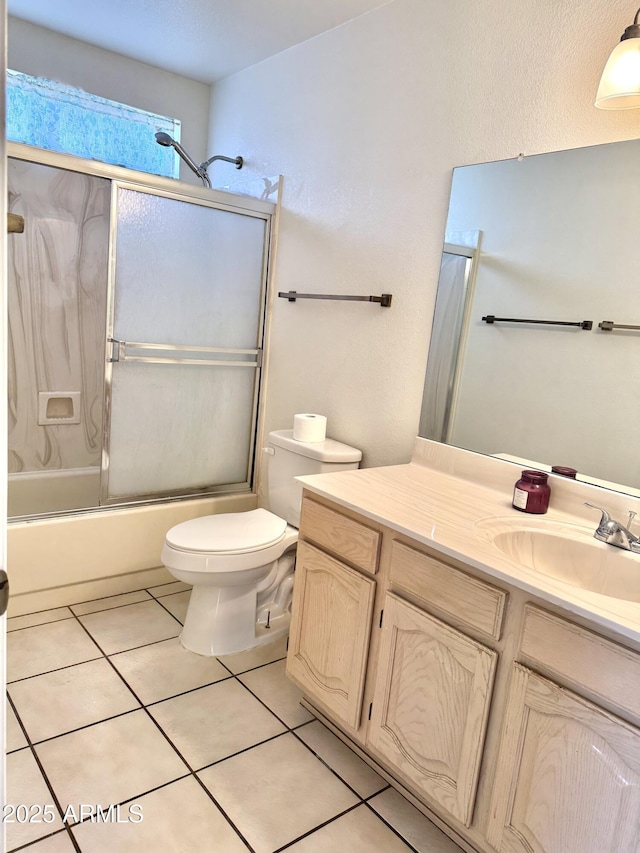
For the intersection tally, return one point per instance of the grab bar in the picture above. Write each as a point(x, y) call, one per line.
point(582, 324)
point(292, 295)
point(609, 326)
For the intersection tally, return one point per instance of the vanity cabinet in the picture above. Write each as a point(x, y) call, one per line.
point(332, 610)
point(568, 771)
point(430, 705)
point(568, 777)
point(514, 728)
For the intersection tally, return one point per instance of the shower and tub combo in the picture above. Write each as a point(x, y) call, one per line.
point(158, 339)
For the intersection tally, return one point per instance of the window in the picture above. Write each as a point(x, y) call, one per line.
point(50, 115)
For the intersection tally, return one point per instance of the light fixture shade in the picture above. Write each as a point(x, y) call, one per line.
point(619, 87)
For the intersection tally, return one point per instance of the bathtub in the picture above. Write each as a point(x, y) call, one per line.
point(62, 560)
point(36, 492)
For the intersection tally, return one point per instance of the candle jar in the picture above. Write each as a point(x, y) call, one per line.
point(564, 471)
point(532, 492)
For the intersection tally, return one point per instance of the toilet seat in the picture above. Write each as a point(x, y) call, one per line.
point(241, 544)
point(228, 533)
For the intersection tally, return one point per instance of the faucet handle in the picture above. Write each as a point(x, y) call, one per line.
point(606, 518)
point(632, 515)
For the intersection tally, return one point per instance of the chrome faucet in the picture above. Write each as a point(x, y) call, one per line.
point(613, 533)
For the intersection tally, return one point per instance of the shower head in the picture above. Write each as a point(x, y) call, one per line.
point(201, 170)
point(168, 141)
point(163, 139)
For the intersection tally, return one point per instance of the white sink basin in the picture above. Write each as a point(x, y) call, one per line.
point(566, 552)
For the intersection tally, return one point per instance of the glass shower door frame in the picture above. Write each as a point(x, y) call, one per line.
point(440, 360)
point(201, 357)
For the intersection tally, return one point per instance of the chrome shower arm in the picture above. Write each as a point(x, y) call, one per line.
point(237, 160)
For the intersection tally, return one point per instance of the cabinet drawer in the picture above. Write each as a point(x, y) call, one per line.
point(469, 601)
point(352, 541)
point(580, 657)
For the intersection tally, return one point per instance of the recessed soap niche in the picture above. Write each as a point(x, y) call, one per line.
point(58, 407)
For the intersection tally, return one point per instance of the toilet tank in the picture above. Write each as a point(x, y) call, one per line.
point(289, 459)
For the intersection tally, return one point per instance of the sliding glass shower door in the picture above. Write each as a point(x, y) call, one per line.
point(187, 293)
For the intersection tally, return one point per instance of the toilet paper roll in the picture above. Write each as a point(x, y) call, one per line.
point(309, 428)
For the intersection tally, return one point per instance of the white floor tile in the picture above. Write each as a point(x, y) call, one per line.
point(359, 831)
point(412, 824)
point(125, 628)
point(14, 734)
point(165, 669)
point(26, 786)
point(214, 722)
point(273, 791)
point(177, 604)
point(168, 589)
point(271, 685)
point(109, 762)
point(33, 651)
point(179, 817)
point(33, 619)
point(276, 792)
point(67, 699)
point(112, 601)
point(352, 769)
point(244, 661)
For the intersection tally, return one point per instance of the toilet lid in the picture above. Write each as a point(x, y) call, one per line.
point(229, 532)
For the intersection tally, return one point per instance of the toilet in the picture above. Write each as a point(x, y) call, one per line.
point(241, 564)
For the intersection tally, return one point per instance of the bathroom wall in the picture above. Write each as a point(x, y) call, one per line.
point(366, 123)
point(42, 53)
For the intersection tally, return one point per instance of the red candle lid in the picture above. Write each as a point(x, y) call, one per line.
point(536, 477)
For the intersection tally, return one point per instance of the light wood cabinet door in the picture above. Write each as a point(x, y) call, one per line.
point(568, 777)
point(330, 631)
point(431, 704)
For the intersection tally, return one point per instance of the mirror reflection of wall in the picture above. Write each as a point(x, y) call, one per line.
point(559, 242)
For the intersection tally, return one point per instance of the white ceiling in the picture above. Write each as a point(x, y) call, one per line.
point(205, 40)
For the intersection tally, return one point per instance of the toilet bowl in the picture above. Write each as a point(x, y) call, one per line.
point(241, 565)
point(231, 560)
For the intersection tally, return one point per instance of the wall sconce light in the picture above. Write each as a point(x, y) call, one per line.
point(619, 87)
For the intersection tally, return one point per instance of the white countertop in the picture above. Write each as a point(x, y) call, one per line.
point(441, 511)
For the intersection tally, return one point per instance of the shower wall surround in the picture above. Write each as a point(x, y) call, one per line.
point(57, 314)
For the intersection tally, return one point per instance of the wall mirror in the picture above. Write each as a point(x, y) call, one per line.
point(551, 238)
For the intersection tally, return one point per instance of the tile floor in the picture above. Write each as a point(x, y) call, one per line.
point(107, 709)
